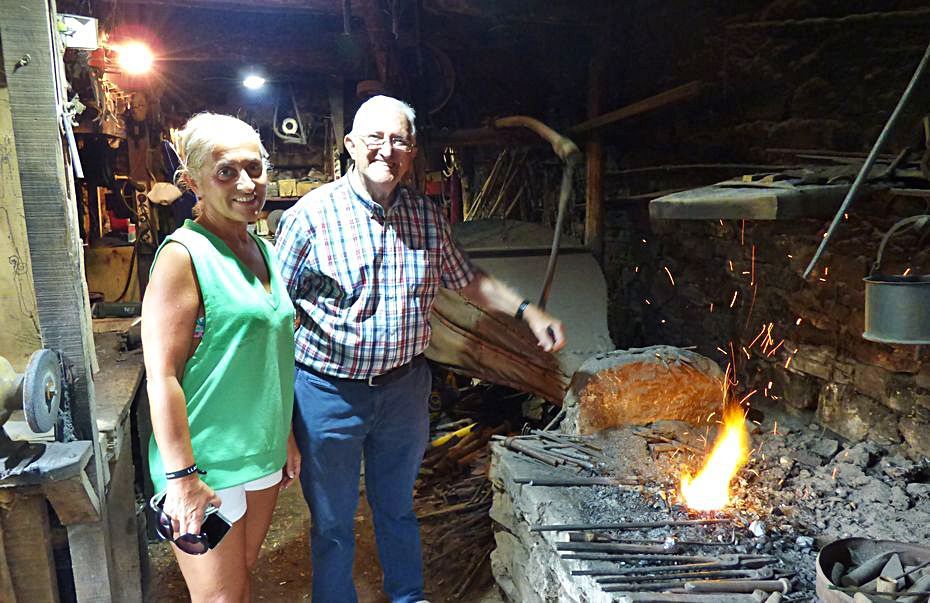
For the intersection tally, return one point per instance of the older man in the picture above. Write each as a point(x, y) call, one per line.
point(363, 259)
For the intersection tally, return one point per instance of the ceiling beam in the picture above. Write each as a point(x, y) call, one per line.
point(320, 7)
point(553, 12)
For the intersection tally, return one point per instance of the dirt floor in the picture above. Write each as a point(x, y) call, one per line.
point(283, 571)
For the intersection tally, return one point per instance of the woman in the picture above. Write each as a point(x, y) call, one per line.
point(217, 333)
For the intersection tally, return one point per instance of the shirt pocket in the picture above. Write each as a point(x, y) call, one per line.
point(422, 273)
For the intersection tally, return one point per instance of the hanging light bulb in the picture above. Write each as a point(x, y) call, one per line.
point(253, 82)
point(135, 58)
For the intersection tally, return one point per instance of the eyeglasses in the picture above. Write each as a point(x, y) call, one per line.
point(376, 141)
point(192, 544)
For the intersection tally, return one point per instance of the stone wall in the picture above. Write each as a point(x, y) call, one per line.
point(779, 74)
point(732, 279)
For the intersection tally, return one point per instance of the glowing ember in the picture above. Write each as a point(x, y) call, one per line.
point(710, 489)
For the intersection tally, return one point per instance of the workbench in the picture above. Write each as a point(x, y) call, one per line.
point(57, 472)
point(117, 392)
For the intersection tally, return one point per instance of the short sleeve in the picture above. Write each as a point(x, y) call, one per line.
point(292, 246)
point(457, 269)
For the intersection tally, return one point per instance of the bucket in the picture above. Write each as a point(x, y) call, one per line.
point(850, 551)
point(897, 307)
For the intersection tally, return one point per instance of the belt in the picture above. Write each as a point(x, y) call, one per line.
point(381, 380)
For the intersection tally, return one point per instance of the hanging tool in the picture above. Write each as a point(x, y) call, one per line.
point(291, 129)
point(870, 160)
point(571, 156)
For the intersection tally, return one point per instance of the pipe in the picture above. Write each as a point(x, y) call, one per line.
point(571, 155)
point(870, 160)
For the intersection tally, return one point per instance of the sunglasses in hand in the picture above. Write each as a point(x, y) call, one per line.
point(212, 530)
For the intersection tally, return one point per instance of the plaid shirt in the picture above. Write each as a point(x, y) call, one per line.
point(364, 280)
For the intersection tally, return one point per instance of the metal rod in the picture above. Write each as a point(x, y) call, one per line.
point(629, 525)
point(709, 574)
point(870, 160)
point(613, 547)
point(567, 482)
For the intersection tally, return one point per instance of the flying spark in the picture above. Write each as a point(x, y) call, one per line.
point(670, 277)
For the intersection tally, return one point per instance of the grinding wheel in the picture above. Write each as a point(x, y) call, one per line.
point(42, 390)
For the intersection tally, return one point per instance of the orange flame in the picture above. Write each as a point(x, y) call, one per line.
point(710, 489)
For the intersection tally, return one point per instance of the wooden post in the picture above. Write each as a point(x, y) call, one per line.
point(594, 155)
point(35, 75)
point(19, 337)
point(27, 550)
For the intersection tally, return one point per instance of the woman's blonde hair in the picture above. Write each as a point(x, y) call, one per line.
point(196, 140)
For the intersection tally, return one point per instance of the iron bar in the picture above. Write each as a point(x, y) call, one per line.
point(629, 525)
point(870, 160)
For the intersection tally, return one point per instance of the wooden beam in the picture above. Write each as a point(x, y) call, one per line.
point(663, 99)
point(320, 7)
point(563, 13)
point(28, 549)
point(19, 337)
point(7, 593)
point(74, 500)
point(284, 62)
point(35, 75)
point(595, 213)
point(124, 528)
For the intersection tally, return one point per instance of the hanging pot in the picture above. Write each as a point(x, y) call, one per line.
point(897, 307)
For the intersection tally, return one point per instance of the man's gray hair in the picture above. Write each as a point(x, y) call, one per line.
point(383, 104)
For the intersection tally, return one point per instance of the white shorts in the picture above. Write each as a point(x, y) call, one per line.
point(234, 501)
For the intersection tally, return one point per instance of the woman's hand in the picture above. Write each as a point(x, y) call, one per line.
point(292, 464)
point(549, 332)
point(186, 504)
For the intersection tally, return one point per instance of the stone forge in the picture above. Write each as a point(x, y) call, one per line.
point(568, 535)
point(639, 386)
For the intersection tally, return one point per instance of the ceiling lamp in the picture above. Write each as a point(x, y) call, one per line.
point(135, 58)
point(253, 82)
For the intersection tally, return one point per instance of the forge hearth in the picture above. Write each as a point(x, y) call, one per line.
point(801, 489)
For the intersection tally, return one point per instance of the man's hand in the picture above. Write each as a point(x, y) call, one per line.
point(549, 332)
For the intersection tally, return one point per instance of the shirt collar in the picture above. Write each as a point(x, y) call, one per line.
point(400, 195)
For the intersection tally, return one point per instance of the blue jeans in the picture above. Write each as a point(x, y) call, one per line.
point(336, 422)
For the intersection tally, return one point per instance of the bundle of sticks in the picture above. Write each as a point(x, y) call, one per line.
point(463, 536)
point(460, 451)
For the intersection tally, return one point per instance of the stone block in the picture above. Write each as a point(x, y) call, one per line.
point(922, 379)
point(639, 386)
point(814, 360)
point(904, 397)
point(871, 380)
point(916, 432)
point(850, 414)
point(897, 359)
point(886, 432)
point(796, 389)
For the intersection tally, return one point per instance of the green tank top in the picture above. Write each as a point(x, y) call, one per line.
point(239, 384)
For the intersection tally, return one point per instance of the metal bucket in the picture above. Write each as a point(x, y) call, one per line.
point(897, 308)
point(849, 549)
